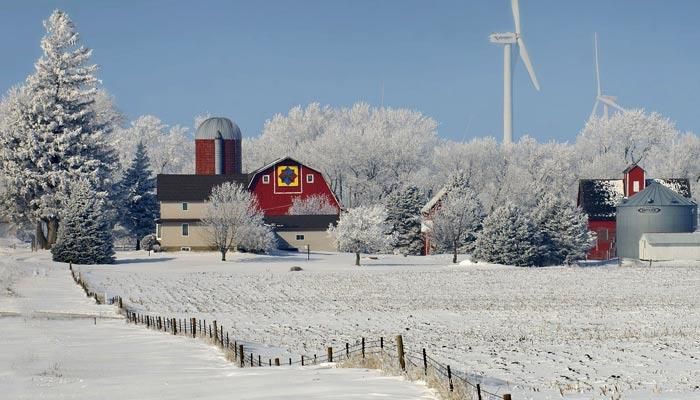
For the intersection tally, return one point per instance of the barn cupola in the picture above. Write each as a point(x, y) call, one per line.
point(634, 180)
point(218, 147)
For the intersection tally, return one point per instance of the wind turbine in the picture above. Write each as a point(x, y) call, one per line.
point(508, 39)
point(600, 97)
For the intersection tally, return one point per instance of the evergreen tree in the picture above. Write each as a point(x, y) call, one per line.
point(510, 236)
point(138, 190)
point(564, 229)
point(403, 216)
point(54, 135)
point(84, 236)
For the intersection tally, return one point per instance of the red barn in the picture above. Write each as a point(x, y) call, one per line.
point(599, 197)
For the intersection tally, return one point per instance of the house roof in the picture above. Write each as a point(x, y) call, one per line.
point(433, 201)
point(658, 195)
point(669, 239)
point(193, 187)
point(301, 222)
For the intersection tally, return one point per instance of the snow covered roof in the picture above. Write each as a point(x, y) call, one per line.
point(598, 197)
point(218, 126)
point(668, 239)
point(433, 201)
point(658, 195)
point(192, 187)
point(680, 186)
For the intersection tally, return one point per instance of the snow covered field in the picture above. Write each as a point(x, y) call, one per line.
point(58, 344)
point(585, 332)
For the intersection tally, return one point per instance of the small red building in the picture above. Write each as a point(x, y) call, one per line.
point(599, 197)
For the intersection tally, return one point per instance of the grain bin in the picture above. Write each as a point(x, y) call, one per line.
point(656, 209)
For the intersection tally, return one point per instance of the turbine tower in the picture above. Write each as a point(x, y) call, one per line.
point(600, 97)
point(508, 39)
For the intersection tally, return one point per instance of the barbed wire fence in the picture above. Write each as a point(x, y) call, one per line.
point(390, 355)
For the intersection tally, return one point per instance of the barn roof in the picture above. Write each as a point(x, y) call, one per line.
point(193, 187)
point(598, 197)
point(658, 195)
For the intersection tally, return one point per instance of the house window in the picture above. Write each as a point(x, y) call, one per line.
point(300, 237)
point(309, 178)
point(185, 229)
point(266, 179)
point(185, 206)
point(187, 248)
point(635, 186)
point(158, 231)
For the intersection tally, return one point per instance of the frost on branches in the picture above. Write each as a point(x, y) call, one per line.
point(138, 191)
point(564, 230)
point(362, 230)
point(510, 236)
point(315, 204)
point(233, 220)
point(54, 135)
point(84, 236)
point(457, 219)
point(403, 216)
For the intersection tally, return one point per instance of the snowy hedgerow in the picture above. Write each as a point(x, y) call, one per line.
point(316, 204)
point(137, 189)
point(233, 219)
point(403, 216)
point(564, 230)
point(84, 236)
point(510, 236)
point(54, 135)
point(457, 220)
point(362, 230)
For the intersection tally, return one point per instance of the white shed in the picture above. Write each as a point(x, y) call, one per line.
point(669, 246)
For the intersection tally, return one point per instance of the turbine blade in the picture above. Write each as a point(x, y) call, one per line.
point(526, 60)
point(611, 103)
point(595, 108)
point(516, 15)
point(597, 70)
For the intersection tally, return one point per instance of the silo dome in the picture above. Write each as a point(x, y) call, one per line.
point(211, 128)
point(656, 209)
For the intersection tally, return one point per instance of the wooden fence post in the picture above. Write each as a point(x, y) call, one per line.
point(347, 350)
point(478, 391)
point(449, 378)
point(399, 349)
point(425, 362)
point(381, 342)
point(277, 362)
point(330, 354)
point(194, 327)
point(240, 350)
point(251, 359)
point(221, 335)
point(302, 360)
point(363, 347)
point(270, 361)
point(227, 340)
point(290, 361)
point(121, 304)
point(216, 332)
point(259, 360)
point(174, 326)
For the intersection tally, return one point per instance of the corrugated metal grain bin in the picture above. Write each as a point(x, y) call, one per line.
point(656, 209)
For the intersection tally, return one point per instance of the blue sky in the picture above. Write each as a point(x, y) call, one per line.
point(248, 60)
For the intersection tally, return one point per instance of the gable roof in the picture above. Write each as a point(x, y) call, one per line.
point(428, 207)
point(598, 197)
point(631, 167)
point(193, 187)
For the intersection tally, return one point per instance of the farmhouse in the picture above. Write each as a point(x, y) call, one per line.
point(599, 198)
point(182, 198)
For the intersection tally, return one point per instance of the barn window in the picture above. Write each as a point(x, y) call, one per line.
point(266, 179)
point(300, 237)
point(185, 206)
point(158, 231)
point(185, 229)
point(309, 178)
point(635, 186)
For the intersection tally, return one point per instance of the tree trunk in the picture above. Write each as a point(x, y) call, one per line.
point(40, 240)
point(357, 259)
point(52, 231)
point(138, 243)
point(454, 254)
point(223, 255)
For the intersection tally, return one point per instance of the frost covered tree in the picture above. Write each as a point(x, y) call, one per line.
point(139, 207)
point(233, 218)
point(170, 148)
point(457, 219)
point(403, 217)
point(362, 230)
point(53, 135)
point(509, 236)
point(315, 204)
point(84, 236)
point(564, 230)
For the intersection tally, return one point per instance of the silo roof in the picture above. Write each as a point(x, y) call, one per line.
point(658, 195)
point(213, 127)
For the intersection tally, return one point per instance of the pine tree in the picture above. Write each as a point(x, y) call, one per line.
point(138, 190)
point(564, 229)
point(509, 236)
point(54, 135)
point(84, 236)
point(403, 216)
